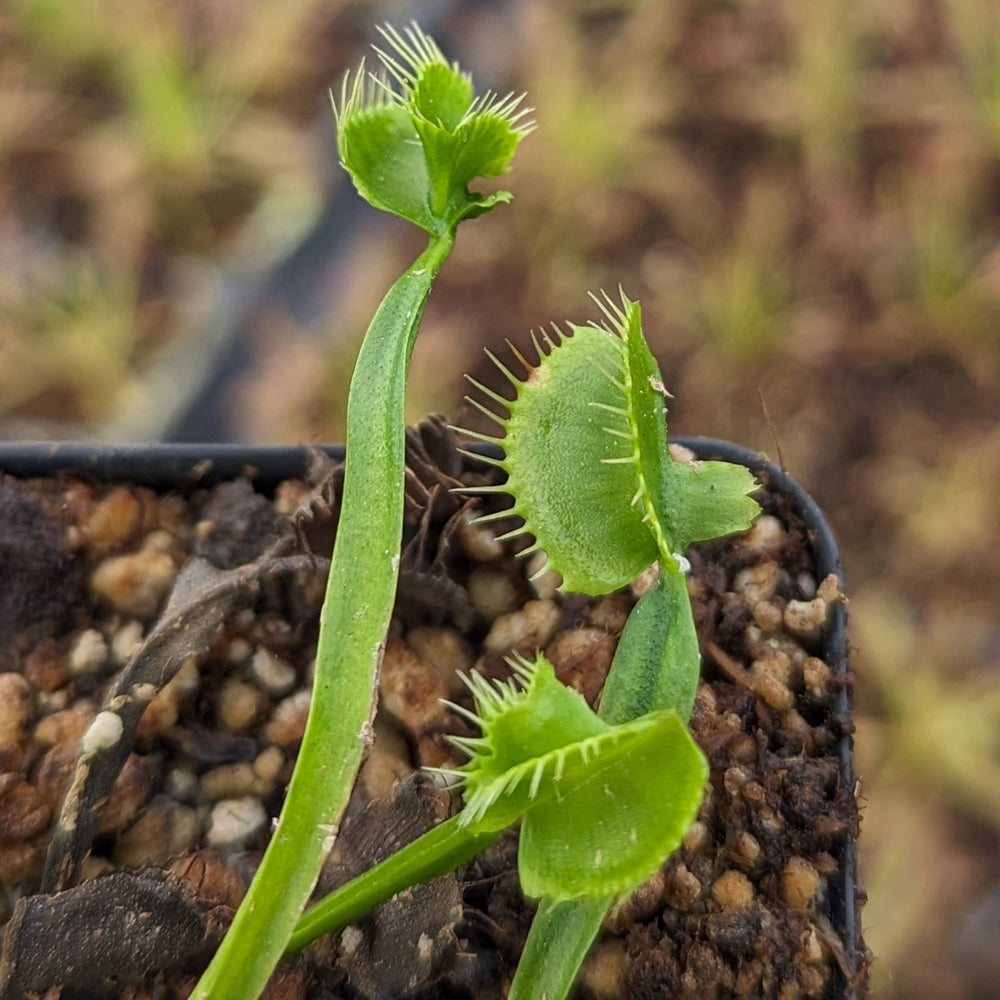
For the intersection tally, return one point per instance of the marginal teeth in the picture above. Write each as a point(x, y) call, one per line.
point(464, 712)
point(497, 515)
point(513, 533)
point(508, 374)
point(488, 438)
point(486, 391)
point(528, 368)
point(475, 455)
point(484, 410)
point(479, 491)
point(540, 572)
point(609, 307)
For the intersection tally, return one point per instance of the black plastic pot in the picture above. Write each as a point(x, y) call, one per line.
point(845, 905)
point(187, 466)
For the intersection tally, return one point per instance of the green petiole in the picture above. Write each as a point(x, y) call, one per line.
point(353, 627)
point(561, 935)
point(437, 852)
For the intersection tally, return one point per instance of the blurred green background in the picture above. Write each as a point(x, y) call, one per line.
point(805, 197)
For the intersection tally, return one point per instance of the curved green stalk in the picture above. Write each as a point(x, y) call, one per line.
point(411, 151)
point(360, 593)
point(437, 852)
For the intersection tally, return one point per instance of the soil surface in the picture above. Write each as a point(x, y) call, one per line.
point(120, 869)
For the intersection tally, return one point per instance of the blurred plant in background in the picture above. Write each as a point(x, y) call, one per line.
point(805, 196)
point(141, 144)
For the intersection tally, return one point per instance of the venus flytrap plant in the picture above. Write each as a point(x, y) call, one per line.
point(604, 798)
point(412, 139)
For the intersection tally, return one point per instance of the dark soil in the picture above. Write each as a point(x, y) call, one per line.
point(152, 850)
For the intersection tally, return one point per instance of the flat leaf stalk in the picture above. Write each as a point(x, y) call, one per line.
point(360, 594)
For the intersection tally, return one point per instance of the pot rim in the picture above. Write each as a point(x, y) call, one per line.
point(192, 466)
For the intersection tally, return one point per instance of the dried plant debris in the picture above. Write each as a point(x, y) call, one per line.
point(433, 513)
point(147, 731)
point(410, 945)
point(117, 929)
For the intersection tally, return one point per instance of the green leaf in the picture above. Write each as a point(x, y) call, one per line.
point(573, 483)
point(480, 204)
point(702, 500)
point(561, 935)
point(380, 149)
point(618, 825)
point(414, 150)
point(657, 662)
point(485, 143)
point(587, 462)
point(603, 805)
point(441, 94)
point(481, 145)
